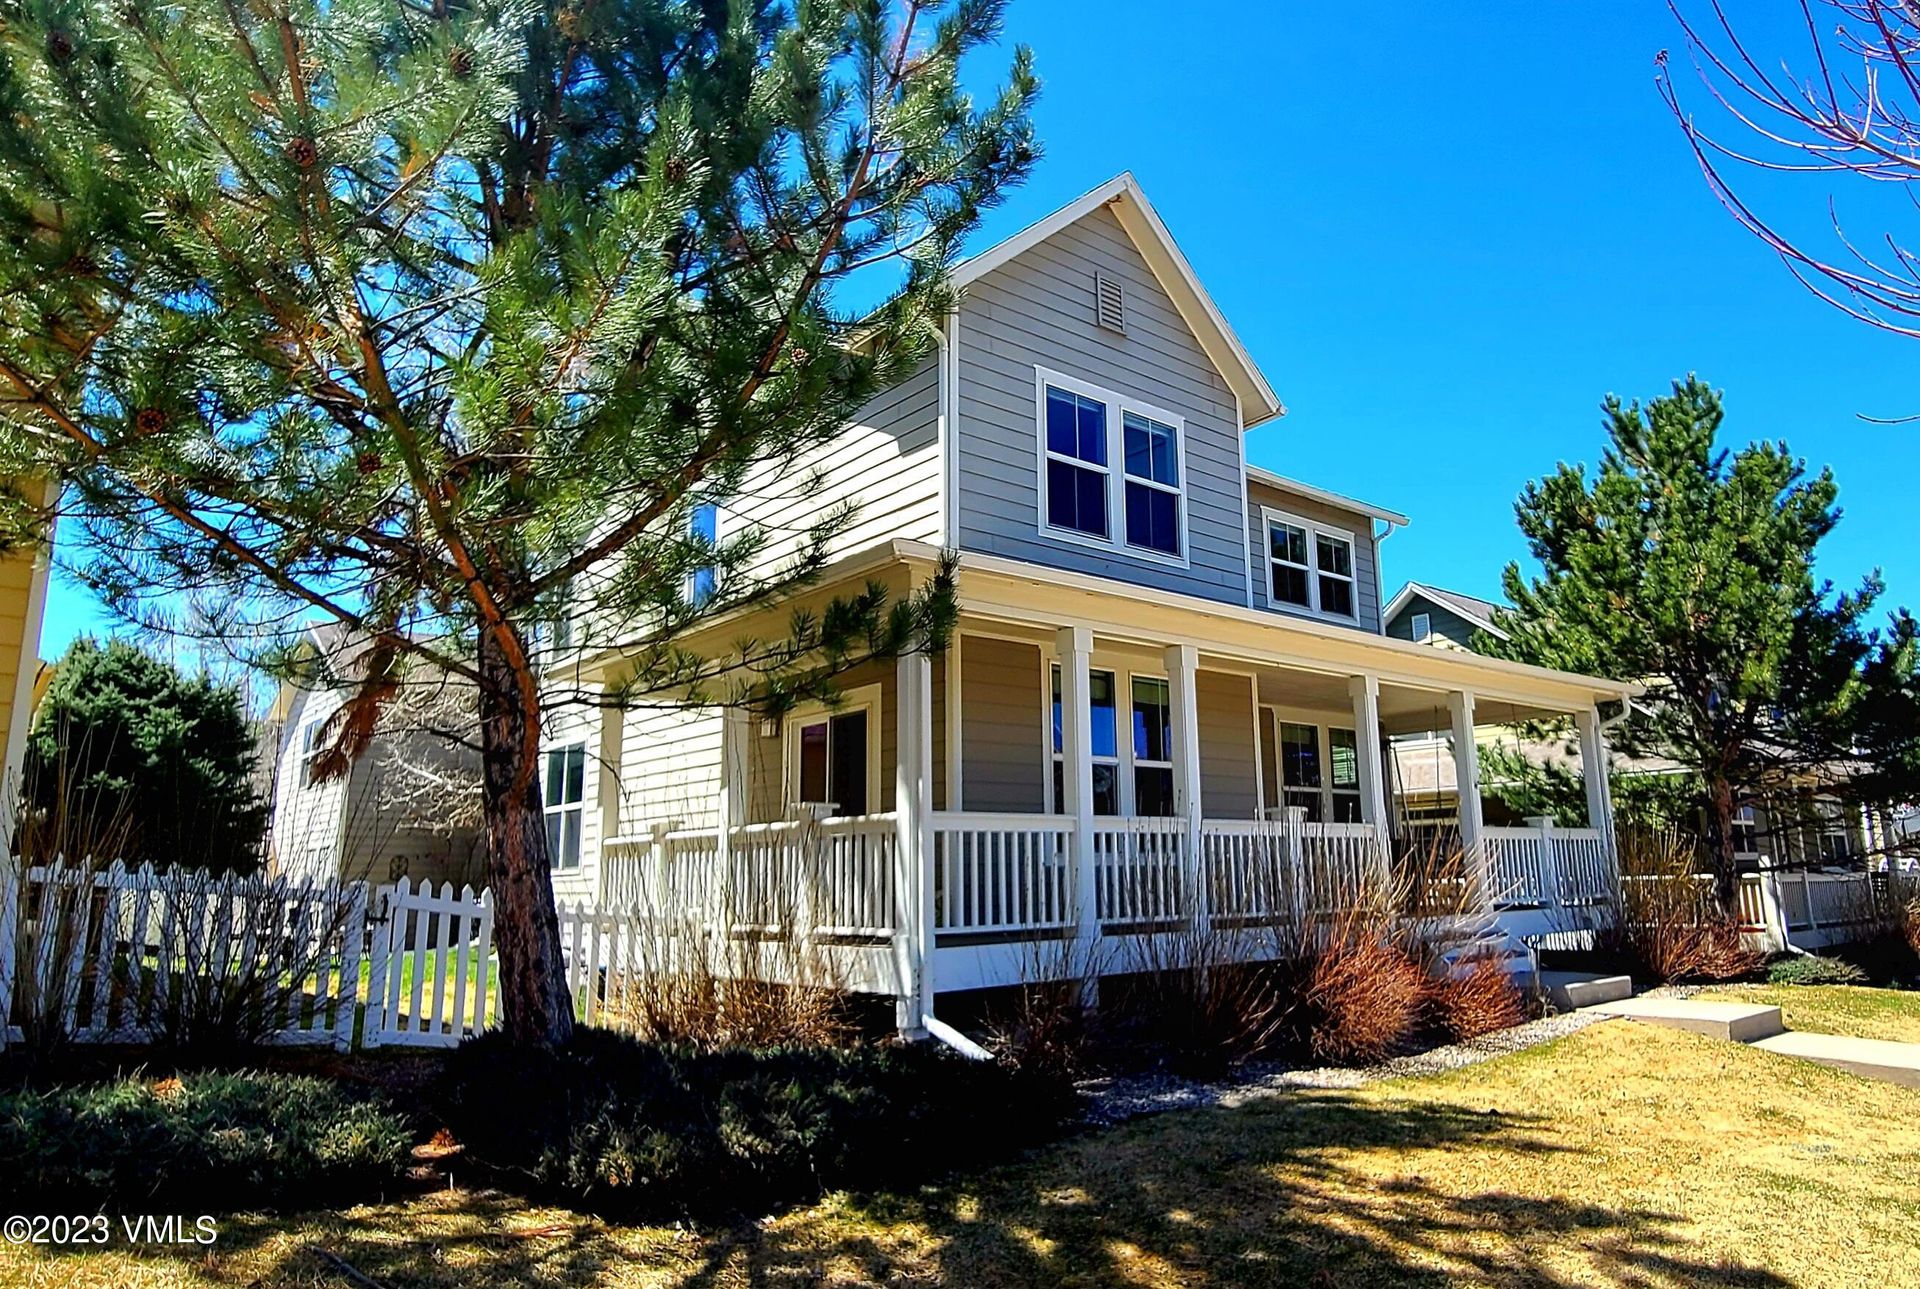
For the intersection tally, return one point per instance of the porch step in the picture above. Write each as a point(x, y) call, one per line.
point(1871, 1058)
point(1741, 1022)
point(1572, 990)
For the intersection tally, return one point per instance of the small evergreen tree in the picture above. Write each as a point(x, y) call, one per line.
point(1690, 568)
point(435, 319)
point(170, 754)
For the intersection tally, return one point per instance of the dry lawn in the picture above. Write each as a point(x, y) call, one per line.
point(1852, 1010)
point(1624, 1155)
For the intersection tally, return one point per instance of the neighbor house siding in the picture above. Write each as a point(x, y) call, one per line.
point(1449, 628)
point(1366, 578)
point(1002, 742)
point(1229, 764)
point(305, 834)
point(1038, 311)
point(885, 463)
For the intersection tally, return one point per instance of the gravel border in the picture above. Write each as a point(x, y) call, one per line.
point(1116, 1100)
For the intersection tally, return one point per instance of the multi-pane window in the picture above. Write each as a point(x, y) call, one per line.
point(1153, 484)
point(1101, 699)
point(564, 786)
point(1152, 747)
point(309, 748)
point(1077, 470)
point(705, 528)
point(1343, 779)
point(1746, 832)
point(1300, 768)
point(1334, 557)
point(1292, 574)
point(1310, 566)
point(1111, 472)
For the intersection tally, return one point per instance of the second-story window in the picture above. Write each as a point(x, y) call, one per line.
point(1137, 509)
point(1076, 463)
point(1310, 566)
point(309, 748)
point(705, 527)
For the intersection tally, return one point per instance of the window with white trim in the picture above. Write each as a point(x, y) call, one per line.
point(564, 792)
point(309, 748)
point(833, 756)
point(1319, 770)
point(1105, 743)
point(1343, 779)
point(1310, 566)
point(1152, 746)
point(1300, 768)
point(1077, 471)
point(704, 527)
point(1746, 833)
point(1139, 509)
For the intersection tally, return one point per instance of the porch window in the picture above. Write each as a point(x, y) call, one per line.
point(565, 793)
point(1746, 833)
point(1105, 743)
point(1310, 566)
point(1153, 484)
point(1076, 463)
point(1836, 839)
point(1343, 760)
point(1152, 747)
point(833, 761)
point(1300, 768)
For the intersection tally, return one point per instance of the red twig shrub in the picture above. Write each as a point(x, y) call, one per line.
point(1480, 999)
point(1910, 925)
point(1363, 999)
point(1668, 924)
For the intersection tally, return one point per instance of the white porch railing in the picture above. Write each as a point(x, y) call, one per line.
point(1547, 867)
point(1002, 873)
point(1140, 870)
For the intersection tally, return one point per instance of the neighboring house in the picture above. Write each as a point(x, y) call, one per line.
point(406, 808)
point(1805, 828)
point(23, 602)
point(1160, 649)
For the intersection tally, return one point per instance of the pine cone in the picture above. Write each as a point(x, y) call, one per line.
point(59, 47)
point(301, 152)
point(568, 22)
point(149, 420)
point(676, 170)
point(460, 60)
point(369, 462)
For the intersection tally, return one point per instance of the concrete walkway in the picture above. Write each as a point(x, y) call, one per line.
point(1762, 1027)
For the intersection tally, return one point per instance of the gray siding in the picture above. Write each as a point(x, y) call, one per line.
point(1002, 748)
point(1038, 310)
point(1449, 628)
point(1229, 787)
point(1366, 577)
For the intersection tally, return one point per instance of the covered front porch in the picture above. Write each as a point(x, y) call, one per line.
point(1068, 791)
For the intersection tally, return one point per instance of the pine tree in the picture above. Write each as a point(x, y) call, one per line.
point(1691, 569)
point(168, 755)
point(431, 317)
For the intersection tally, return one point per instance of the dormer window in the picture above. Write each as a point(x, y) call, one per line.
point(1310, 566)
point(1084, 430)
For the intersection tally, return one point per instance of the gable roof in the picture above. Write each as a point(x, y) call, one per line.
point(1478, 612)
point(1137, 217)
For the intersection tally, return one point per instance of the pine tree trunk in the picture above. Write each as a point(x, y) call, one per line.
point(534, 1005)
point(1726, 869)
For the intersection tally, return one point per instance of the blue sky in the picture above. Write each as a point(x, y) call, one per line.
point(1444, 232)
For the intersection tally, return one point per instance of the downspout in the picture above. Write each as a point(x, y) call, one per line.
point(1379, 581)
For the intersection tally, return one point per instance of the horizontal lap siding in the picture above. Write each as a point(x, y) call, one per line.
point(1002, 752)
point(1444, 622)
point(1038, 310)
point(1365, 577)
point(305, 831)
point(886, 462)
point(669, 768)
point(1229, 785)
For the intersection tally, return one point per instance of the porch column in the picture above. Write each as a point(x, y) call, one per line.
point(913, 822)
point(1075, 647)
point(1183, 665)
point(732, 811)
point(1466, 779)
point(1365, 691)
point(1593, 772)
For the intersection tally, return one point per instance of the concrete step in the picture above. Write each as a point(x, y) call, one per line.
point(1741, 1022)
point(1872, 1058)
point(1571, 990)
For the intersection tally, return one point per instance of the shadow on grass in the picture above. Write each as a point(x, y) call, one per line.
point(1272, 1193)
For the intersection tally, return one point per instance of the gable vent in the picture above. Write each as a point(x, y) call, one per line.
point(1109, 303)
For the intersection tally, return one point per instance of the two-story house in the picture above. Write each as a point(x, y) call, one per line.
point(1163, 653)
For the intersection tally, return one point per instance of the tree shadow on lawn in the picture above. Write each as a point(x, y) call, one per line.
point(1270, 1193)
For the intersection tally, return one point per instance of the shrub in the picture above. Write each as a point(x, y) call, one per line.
point(1910, 924)
point(1667, 925)
point(623, 1127)
point(1479, 999)
point(1362, 998)
point(208, 1141)
point(1812, 969)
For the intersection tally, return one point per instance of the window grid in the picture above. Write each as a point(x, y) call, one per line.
point(563, 789)
point(1124, 492)
point(1311, 566)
